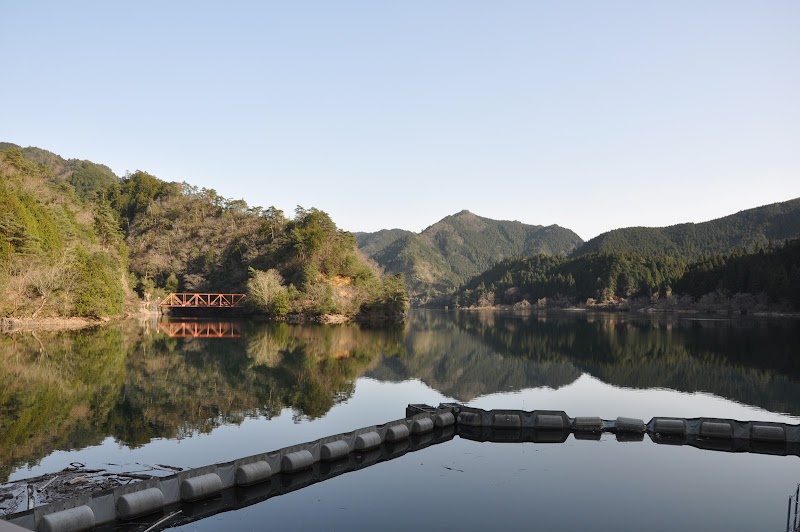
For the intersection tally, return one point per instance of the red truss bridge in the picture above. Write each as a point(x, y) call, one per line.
point(189, 300)
point(200, 329)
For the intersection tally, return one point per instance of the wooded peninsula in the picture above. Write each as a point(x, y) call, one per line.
point(76, 240)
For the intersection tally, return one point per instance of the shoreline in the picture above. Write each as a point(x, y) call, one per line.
point(57, 324)
point(15, 325)
point(645, 311)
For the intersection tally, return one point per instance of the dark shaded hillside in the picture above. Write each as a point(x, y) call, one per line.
point(572, 280)
point(774, 272)
point(740, 282)
point(459, 247)
point(746, 230)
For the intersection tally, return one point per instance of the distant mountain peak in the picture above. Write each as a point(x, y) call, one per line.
point(458, 247)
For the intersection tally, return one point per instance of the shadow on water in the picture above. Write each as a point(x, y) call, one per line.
point(135, 382)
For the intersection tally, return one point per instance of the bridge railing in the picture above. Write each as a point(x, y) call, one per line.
point(200, 300)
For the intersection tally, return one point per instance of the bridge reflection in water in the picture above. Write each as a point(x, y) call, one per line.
point(200, 329)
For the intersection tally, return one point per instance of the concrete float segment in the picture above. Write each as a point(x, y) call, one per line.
point(714, 429)
point(768, 433)
point(334, 450)
point(471, 419)
point(200, 487)
point(76, 519)
point(297, 461)
point(630, 424)
point(444, 419)
point(368, 440)
point(397, 432)
point(506, 421)
point(548, 421)
point(253, 473)
point(424, 424)
point(669, 427)
point(588, 424)
point(139, 503)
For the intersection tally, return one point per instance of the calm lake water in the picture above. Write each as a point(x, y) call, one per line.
point(194, 393)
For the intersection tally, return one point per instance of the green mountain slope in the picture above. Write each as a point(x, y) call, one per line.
point(747, 230)
point(59, 255)
point(373, 244)
point(74, 236)
point(459, 247)
point(86, 177)
point(767, 278)
point(182, 238)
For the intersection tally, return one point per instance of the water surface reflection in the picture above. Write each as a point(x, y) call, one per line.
point(175, 380)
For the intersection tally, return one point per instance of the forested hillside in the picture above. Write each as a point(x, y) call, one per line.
point(458, 247)
point(747, 230)
point(59, 256)
point(186, 239)
point(87, 178)
point(74, 238)
point(570, 280)
point(768, 278)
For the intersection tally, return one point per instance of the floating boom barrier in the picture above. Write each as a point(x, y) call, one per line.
point(199, 493)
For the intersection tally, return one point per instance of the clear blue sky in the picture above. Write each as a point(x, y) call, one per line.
point(591, 115)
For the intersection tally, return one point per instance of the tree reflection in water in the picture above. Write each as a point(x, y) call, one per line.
point(73, 389)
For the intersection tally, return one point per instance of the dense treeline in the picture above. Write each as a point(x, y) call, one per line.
point(747, 230)
point(58, 254)
point(773, 272)
point(182, 238)
point(738, 281)
point(74, 239)
point(598, 276)
point(85, 177)
point(452, 251)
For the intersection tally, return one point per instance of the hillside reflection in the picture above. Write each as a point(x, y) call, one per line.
point(172, 380)
point(71, 390)
point(468, 354)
